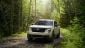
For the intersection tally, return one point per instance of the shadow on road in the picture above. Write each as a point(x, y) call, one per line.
point(40, 41)
point(45, 43)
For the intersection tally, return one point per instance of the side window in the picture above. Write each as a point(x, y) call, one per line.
point(55, 23)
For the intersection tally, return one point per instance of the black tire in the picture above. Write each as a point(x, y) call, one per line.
point(29, 37)
point(53, 36)
point(58, 35)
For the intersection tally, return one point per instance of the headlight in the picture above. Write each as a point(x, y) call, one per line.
point(49, 30)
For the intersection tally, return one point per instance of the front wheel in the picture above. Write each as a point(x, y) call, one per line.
point(53, 36)
point(29, 37)
point(58, 35)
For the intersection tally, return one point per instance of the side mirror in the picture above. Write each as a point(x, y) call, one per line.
point(56, 25)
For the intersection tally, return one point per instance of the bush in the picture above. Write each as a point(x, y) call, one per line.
point(73, 37)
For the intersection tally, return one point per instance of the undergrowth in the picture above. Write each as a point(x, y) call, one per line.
point(74, 37)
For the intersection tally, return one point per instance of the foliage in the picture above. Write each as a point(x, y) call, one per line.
point(10, 12)
point(74, 35)
point(17, 15)
point(14, 16)
point(71, 39)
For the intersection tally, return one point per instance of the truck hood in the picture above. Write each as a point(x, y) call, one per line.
point(40, 26)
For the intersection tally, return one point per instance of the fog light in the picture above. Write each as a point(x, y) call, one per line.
point(49, 30)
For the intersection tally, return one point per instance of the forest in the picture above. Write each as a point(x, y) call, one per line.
point(17, 15)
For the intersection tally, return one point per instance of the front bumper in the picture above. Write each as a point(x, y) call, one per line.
point(38, 36)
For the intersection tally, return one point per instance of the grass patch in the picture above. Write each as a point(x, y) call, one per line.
point(71, 39)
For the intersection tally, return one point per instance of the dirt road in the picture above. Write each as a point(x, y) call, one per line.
point(20, 41)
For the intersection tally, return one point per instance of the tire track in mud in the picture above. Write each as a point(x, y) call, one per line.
point(43, 43)
point(22, 42)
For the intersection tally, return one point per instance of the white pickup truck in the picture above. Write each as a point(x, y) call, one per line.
point(44, 28)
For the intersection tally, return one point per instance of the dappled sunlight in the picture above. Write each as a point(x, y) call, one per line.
point(64, 30)
point(20, 40)
point(44, 2)
point(16, 16)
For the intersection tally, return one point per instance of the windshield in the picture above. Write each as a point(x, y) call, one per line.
point(44, 23)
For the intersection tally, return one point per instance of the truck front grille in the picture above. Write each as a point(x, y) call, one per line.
point(38, 29)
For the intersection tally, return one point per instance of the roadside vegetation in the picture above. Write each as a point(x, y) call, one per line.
point(17, 15)
point(73, 36)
